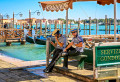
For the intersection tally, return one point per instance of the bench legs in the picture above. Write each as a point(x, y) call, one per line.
point(81, 64)
point(65, 64)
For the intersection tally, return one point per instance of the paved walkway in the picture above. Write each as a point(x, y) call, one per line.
point(36, 75)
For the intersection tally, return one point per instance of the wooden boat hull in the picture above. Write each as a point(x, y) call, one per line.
point(40, 41)
point(29, 39)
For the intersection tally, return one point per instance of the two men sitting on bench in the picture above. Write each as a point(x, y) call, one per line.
point(60, 44)
point(76, 45)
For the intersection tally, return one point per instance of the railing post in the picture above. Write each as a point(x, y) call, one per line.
point(47, 51)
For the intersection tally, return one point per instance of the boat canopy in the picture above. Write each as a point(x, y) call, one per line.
point(56, 5)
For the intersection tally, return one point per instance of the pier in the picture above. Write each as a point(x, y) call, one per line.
point(12, 35)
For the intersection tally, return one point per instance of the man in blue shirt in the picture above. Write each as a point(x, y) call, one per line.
point(77, 42)
point(60, 44)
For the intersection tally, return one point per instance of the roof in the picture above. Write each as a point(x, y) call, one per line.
point(4, 19)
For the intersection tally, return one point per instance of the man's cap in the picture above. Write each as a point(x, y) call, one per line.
point(56, 31)
point(74, 30)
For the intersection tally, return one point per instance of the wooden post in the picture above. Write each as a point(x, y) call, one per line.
point(9, 25)
point(78, 26)
point(70, 26)
point(115, 37)
point(36, 27)
point(45, 28)
point(50, 27)
point(84, 27)
point(26, 25)
point(55, 24)
point(109, 25)
point(89, 25)
point(13, 19)
point(59, 25)
point(66, 26)
point(20, 26)
point(40, 27)
point(96, 25)
point(2, 22)
point(47, 51)
point(30, 19)
point(23, 25)
point(105, 24)
point(62, 28)
point(16, 25)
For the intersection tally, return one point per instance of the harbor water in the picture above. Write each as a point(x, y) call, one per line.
point(31, 52)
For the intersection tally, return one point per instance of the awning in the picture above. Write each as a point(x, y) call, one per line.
point(100, 2)
point(108, 2)
point(56, 5)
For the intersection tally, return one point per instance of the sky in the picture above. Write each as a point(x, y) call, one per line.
point(82, 10)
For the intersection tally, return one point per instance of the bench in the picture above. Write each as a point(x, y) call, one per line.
point(80, 59)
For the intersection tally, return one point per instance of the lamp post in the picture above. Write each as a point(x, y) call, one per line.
point(6, 15)
point(31, 13)
point(20, 14)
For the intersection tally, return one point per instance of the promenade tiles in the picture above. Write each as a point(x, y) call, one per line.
point(29, 75)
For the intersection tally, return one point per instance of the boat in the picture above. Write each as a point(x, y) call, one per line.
point(101, 23)
point(41, 40)
point(29, 39)
point(72, 23)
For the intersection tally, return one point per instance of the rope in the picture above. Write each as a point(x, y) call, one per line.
point(96, 10)
point(84, 11)
point(41, 10)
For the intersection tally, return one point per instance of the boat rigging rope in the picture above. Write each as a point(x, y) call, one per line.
point(96, 10)
point(41, 11)
point(84, 11)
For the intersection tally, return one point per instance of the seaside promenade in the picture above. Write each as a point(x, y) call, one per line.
point(22, 75)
